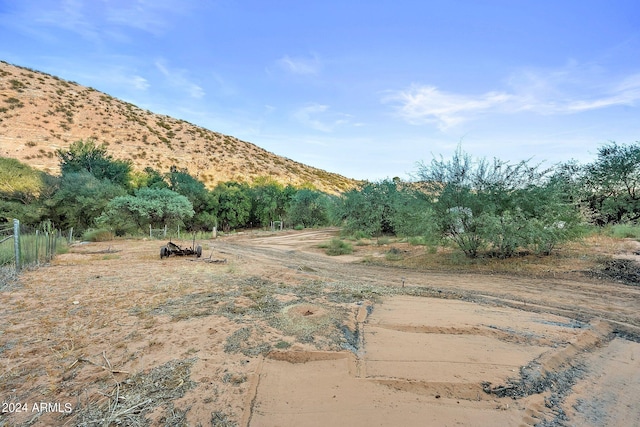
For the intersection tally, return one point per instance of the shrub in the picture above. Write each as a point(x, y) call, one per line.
point(356, 235)
point(282, 345)
point(384, 240)
point(418, 241)
point(393, 254)
point(99, 235)
point(622, 231)
point(337, 247)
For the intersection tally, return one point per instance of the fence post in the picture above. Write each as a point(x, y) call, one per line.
point(150, 236)
point(51, 237)
point(37, 257)
point(16, 243)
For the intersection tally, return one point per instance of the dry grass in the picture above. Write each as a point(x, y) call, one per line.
point(128, 402)
point(8, 278)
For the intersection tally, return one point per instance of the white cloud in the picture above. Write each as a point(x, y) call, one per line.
point(301, 66)
point(428, 104)
point(139, 83)
point(93, 20)
point(626, 92)
point(69, 15)
point(177, 79)
point(568, 90)
point(150, 16)
point(318, 117)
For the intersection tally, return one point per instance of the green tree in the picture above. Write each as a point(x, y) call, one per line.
point(369, 209)
point(22, 183)
point(611, 184)
point(234, 204)
point(148, 177)
point(413, 215)
point(309, 208)
point(80, 199)
point(88, 157)
point(497, 205)
point(204, 202)
point(31, 213)
point(269, 201)
point(22, 190)
point(149, 206)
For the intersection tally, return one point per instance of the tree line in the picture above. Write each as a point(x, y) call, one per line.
point(498, 208)
point(95, 190)
point(481, 206)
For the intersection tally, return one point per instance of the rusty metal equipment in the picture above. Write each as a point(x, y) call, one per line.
point(173, 249)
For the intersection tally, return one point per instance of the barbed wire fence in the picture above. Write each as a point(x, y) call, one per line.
point(23, 246)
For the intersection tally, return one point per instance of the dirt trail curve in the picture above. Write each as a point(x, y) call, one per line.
point(583, 299)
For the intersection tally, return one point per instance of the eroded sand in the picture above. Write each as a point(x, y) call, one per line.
point(425, 361)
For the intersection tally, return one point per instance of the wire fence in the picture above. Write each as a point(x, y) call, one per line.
point(168, 233)
point(23, 246)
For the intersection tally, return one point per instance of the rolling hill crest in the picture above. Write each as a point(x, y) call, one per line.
point(40, 113)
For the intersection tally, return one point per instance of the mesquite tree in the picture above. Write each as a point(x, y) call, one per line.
point(496, 205)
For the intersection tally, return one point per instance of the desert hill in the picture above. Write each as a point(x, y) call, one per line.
point(40, 113)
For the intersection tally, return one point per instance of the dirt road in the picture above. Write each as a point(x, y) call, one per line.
point(267, 330)
point(581, 299)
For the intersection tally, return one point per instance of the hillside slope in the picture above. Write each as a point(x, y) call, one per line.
point(40, 113)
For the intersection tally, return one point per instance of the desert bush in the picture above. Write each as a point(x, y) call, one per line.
point(236, 340)
point(622, 231)
point(358, 235)
point(384, 240)
point(282, 345)
point(497, 206)
point(417, 241)
point(98, 235)
point(337, 247)
point(393, 254)
point(369, 209)
point(609, 187)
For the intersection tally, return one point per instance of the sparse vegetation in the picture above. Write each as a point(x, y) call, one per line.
point(337, 247)
point(98, 235)
point(393, 254)
point(622, 231)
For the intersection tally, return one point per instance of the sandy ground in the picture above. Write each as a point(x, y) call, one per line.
point(266, 330)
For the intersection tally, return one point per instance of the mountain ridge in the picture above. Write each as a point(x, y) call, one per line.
point(41, 113)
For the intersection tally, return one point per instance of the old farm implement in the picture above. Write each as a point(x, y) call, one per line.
point(173, 249)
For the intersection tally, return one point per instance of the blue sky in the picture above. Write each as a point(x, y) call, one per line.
point(362, 88)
